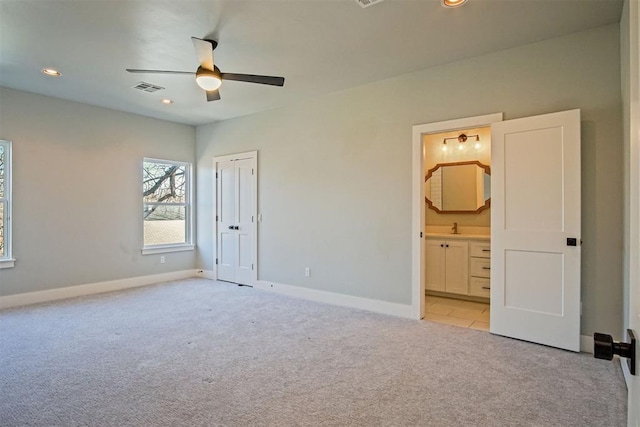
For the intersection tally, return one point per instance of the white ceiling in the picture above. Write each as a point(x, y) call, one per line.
point(319, 46)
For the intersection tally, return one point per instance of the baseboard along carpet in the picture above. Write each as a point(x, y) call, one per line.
point(204, 353)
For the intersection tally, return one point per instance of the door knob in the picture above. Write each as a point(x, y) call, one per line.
point(236, 228)
point(231, 227)
point(604, 347)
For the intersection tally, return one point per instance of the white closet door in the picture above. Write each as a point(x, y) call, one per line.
point(535, 212)
point(244, 221)
point(226, 208)
point(236, 216)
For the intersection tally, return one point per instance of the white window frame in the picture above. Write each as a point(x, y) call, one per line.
point(176, 247)
point(7, 260)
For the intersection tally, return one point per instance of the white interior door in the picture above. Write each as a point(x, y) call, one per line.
point(244, 220)
point(633, 405)
point(226, 209)
point(236, 218)
point(535, 201)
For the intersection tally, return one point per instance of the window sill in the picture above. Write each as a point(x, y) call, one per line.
point(164, 249)
point(7, 263)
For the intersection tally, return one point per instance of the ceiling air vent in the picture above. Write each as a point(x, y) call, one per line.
point(367, 3)
point(147, 87)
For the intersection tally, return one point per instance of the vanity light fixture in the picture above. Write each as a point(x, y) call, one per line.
point(453, 3)
point(462, 138)
point(51, 72)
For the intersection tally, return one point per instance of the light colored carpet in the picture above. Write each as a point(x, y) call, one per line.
point(204, 353)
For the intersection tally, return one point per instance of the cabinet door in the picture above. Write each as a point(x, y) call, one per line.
point(435, 265)
point(457, 267)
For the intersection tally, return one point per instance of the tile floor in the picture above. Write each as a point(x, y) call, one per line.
point(467, 314)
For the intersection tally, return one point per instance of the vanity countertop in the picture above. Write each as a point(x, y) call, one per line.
point(459, 236)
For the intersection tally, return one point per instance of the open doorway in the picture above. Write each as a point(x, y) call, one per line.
point(457, 188)
point(452, 217)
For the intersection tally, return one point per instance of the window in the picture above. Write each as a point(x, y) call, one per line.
point(166, 189)
point(6, 261)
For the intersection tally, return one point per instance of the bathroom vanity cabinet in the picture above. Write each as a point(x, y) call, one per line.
point(446, 265)
point(458, 264)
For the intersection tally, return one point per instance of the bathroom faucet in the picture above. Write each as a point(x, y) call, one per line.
point(454, 229)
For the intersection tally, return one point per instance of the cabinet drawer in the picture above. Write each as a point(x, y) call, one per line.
point(480, 249)
point(480, 267)
point(479, 287)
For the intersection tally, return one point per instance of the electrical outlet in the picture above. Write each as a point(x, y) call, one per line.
point(162, 259)
point(307, 272)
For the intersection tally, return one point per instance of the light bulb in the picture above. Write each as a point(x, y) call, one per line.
point(460, 147)
point(477, 146)
point(51, 72)
point(444, 147)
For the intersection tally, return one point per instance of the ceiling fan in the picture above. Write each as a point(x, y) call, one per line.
point(208, 75)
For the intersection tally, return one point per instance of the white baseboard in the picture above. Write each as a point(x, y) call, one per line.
point(586, 344)
point(207, 274)
point(377, 306)
point(92, 288)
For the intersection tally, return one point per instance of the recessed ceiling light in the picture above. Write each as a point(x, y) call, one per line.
point(166, 101)
point(453, 3)
point(51, 72)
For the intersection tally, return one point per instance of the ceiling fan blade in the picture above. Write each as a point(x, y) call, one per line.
point(213, 95)
point(252, 78)
point(133, 70)
point(204, 52)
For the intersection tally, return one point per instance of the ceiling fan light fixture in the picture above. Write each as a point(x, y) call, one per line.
point(208, 79)
point(453, 3)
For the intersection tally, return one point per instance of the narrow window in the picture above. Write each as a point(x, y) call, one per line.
point(166, 187)
point(6, 259)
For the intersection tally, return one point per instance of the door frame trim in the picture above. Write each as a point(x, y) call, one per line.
point(248, 155)
point(418, 210)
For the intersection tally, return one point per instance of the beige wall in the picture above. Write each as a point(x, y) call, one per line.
point(434, 155)
point(335, 171)
point(77, 192)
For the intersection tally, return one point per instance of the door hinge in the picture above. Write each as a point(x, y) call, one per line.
point(216, 175)
point(216, 261)
point(216, 218)
point(251, 218)
point(421, 234)
point(252, 266)
point(251, 171)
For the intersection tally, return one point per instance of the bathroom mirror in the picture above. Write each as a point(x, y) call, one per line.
point(462, 187)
